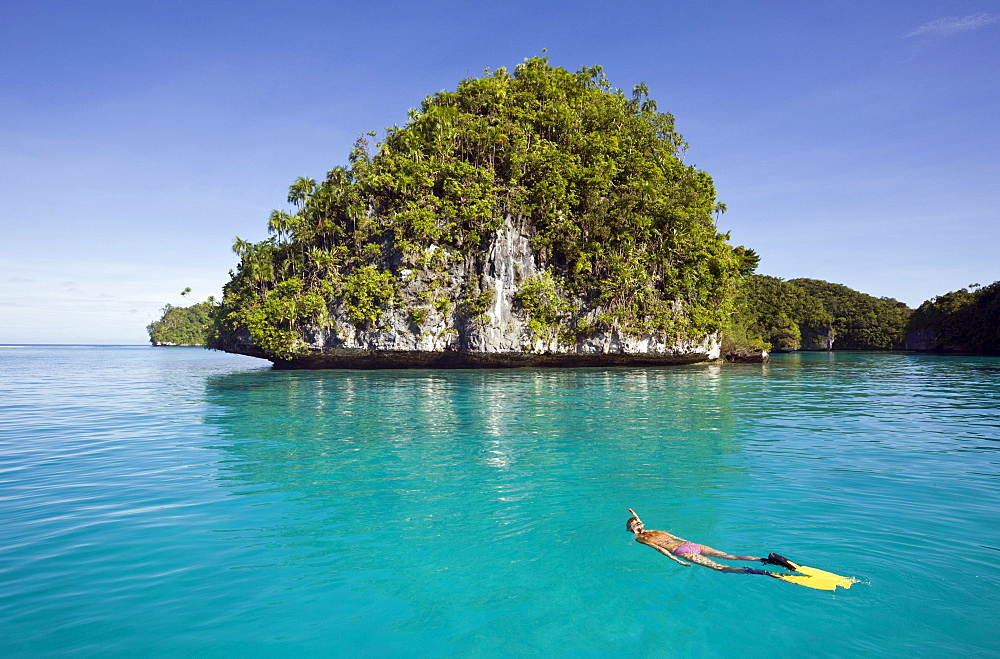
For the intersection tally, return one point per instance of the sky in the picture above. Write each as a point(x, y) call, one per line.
point(854, 142)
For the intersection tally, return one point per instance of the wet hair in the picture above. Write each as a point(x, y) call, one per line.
point(632, 523)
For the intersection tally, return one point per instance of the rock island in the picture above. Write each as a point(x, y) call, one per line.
point(529, 218)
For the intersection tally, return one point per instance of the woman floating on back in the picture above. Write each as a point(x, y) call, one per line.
point(676, 549)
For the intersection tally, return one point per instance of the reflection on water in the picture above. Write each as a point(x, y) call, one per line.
point(468, 493)
point(409, 447)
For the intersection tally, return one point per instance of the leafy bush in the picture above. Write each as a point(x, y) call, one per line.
point(368, 293)
point(541, 299)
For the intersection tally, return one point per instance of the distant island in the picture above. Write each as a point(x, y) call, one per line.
point(961, 321)
point(183, 326)
point(810, 314)
point(534, 218)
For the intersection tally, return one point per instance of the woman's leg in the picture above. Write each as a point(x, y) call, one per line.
point(704, 561)
point(715, 553)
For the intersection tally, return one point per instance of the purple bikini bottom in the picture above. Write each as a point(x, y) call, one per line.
point(688, 548)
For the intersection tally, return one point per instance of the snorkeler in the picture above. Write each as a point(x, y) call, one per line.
point(676, 549)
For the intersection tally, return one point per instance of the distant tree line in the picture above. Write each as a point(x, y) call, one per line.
point(183, 325)
point(959, 321)
point(775, 314)
point(810, 314)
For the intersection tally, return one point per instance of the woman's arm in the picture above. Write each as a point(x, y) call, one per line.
point(670, 556)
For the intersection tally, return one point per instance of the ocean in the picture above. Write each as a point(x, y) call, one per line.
point(184, 502)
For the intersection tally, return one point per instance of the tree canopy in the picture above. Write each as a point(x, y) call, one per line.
point(621, 223)
point(962, 320)
point(792, 314)
point(860, 321)
point(183, 325)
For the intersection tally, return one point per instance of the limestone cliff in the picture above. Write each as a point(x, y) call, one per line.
point(817, 340)
point(924, 340)
point(420, 331)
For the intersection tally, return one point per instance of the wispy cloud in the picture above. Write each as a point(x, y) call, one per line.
point(946, 27)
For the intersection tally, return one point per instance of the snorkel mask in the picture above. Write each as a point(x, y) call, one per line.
point(634, 524)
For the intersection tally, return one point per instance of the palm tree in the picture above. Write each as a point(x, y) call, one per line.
point(280, 224)
point(300, 191)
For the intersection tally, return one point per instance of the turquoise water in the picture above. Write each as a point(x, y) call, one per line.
point(176, 502)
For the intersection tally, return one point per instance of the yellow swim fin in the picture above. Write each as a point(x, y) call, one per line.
point(810, 576)
point(835, 579)
point(819, 583)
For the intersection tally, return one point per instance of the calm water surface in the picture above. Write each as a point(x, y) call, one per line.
point(170, 502)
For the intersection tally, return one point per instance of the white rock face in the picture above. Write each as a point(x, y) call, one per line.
point(818, 340)
point(926, 340)
point(444, 336)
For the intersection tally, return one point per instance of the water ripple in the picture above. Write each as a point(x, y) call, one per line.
point(182, 502)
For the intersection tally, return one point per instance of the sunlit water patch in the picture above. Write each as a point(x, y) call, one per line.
point(179, 501)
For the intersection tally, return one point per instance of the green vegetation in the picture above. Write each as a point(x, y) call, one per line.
point(545, 305)
point(183, 325)
point(772, 313)
point(477, 300)
point(860, 321)
point(620, 224)
point(961, 321)
point(807, 313)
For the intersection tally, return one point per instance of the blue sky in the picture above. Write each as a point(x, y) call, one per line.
point(856, 142)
